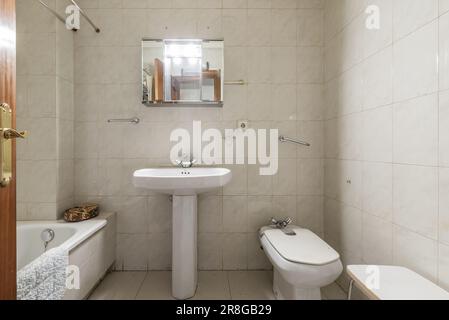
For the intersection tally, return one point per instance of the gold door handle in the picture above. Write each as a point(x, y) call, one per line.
point(10, 134)
point(6, 136)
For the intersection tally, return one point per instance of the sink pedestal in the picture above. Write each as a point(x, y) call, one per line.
point(184, 259)
point(184, 184)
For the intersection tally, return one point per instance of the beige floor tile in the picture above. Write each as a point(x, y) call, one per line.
point(251, 285)
point(333, 292)
point(156, 286)
point(119, 286)
point(212, 285)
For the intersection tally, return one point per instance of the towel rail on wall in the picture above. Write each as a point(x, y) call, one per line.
point(132, 120)
point(295, 141)
point(235, 83)
point(282, 139)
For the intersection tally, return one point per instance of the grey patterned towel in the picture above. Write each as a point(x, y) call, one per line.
point(44, 278)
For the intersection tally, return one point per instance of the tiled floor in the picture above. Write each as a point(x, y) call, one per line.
point(212, 285)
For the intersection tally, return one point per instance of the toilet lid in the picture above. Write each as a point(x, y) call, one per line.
point(305, 247)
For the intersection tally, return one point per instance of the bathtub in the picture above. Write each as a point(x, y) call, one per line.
point(90, 244)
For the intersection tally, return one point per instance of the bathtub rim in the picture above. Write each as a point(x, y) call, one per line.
point(83, 230)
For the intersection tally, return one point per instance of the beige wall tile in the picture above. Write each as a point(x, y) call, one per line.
point(310, 4)
point(309, 177)
point(410, 15)
point(444, 52)
point(284, 182)
point(443, 266)
point(235, 26)
point(378, 144)
point(132, 252)
point(160, 256)
point(420, 50)
point(235, 3)
point(377, 241)
point(210, 248)
point(259, 212)
point(415, 133)
point(310, 27)
point(33, 173)
point(444, 6)
point(309, 62)
point(416, 252)
point(259, 3)
point(351, 91)
point(132, 217)
point(415, 200)
point(309, 213)
point(235, 214)
point(235, 251)
point(283, 27)
point(210, 213)
point(378, 79)
point(260, 64)
point(259, 27)
point(349, 138)
point(377, 196)
point(444, 205)
point(310, 102)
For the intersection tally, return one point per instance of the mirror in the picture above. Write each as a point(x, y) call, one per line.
point(181, 71)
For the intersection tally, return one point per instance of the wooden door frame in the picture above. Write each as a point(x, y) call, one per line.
point(8, 194)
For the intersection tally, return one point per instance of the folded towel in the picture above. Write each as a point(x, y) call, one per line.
point(82, 213)
point(45, 277)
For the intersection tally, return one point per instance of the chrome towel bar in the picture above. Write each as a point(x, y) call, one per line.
point(132, 120)
point(290, 140)
point(235, 83)
point(284, 139)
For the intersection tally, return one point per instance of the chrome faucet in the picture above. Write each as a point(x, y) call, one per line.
point(47, 236)
point(281, 224)
point(186, 163)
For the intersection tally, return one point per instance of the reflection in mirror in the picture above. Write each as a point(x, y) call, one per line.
point(182, 71)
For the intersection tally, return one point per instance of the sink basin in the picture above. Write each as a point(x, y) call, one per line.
point(178, 181)
point(184, 185)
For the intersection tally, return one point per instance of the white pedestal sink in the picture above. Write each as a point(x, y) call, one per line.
point(184, 185)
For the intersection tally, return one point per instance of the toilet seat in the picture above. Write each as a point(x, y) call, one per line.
point(303, 263)
point(304, 247)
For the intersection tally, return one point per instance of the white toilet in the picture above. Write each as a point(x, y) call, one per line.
point(303, 263)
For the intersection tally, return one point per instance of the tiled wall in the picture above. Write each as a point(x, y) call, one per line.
point(276, 46)
point(386, 98)
point(386, 128)
point(45, 186)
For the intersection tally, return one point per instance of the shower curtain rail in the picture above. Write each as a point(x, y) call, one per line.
point(57, 15)
point(61, 18)
point(97, 30)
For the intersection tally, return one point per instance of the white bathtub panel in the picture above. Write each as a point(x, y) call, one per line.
point(91, 247)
